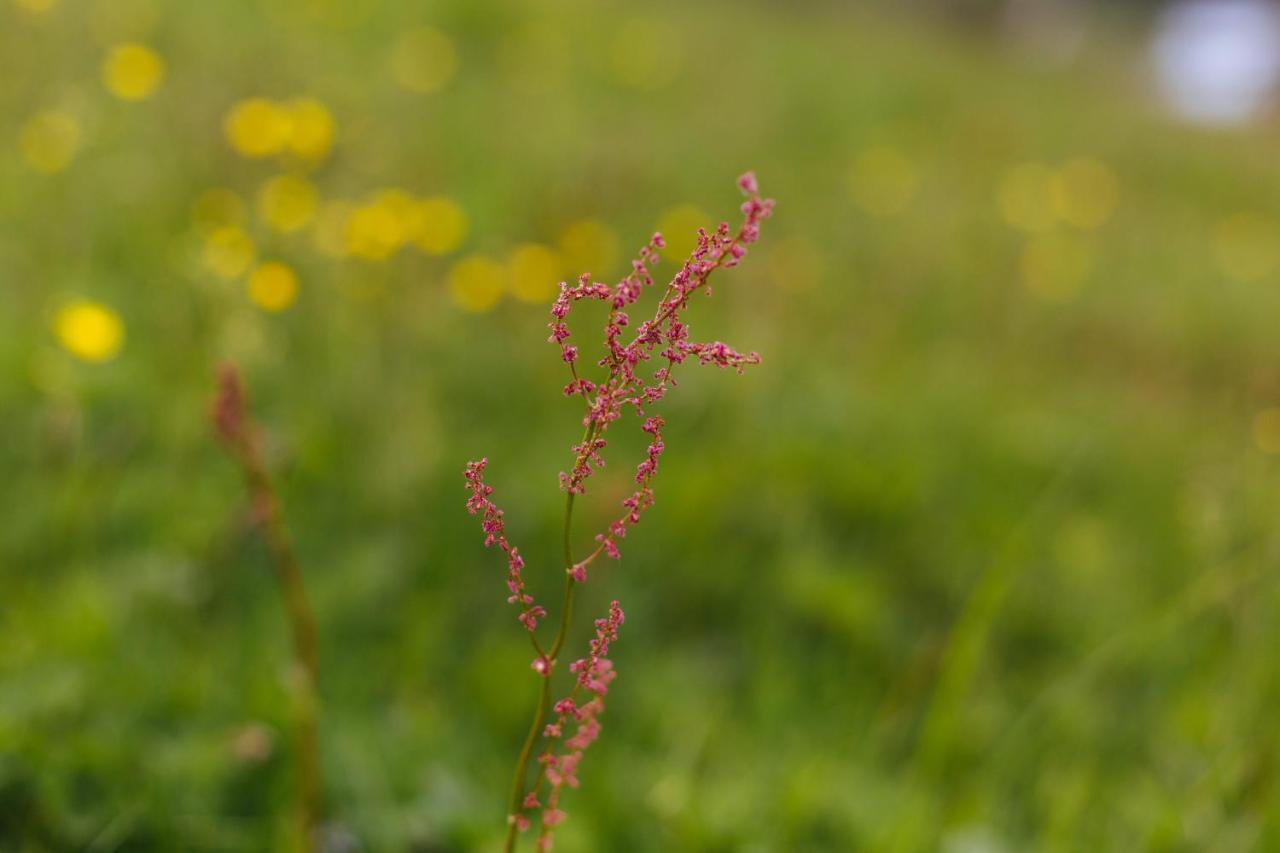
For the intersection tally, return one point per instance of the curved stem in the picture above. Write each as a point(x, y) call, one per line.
point(544, 697)
point(517, 783)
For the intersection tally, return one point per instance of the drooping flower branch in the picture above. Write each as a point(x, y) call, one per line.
point(661, 343)
point(242, 438)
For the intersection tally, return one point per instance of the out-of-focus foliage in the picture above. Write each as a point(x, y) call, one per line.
point(982, 557)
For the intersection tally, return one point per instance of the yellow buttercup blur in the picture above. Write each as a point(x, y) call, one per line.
point(476, 283)
point(679, 227)
point(228, 252)
point(49, 141)
point(257, 128)
point(132, 72)
point(424, 60)
point(588, 246)
point(443, 226)
point(273, 286)
point(288, 203)
point(89, 330)
point(535, 272)
point(311, 128)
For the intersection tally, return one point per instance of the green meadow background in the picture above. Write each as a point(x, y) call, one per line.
point(982, 557)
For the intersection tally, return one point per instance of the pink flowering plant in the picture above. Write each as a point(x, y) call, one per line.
point(636, 370)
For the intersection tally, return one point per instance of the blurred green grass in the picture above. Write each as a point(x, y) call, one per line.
point(966, 564)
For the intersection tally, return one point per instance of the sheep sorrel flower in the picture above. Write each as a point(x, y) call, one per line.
point(636, 371)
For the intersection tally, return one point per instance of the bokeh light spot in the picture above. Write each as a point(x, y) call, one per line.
point(287, 203)
point(311, 128)
point(476, 283)
point(257, 128)
point(883, 181)
point(679, 226)
point(89, 330)
point(1025, 197)
point(35, 7)
point(373, 232)
point(273, 286)
point(1084, 193)
point(588, 246)
point(424, 60)
point(228, 252)
point(1266, 430)
point(132, 72)
point(1246, 246)
point(49, 140)
point(443, 226)
point(535, 272)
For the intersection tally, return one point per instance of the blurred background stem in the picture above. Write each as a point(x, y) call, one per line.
point(233, 426)
point(303, 673)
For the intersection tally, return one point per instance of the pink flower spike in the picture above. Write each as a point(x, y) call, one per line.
point(632, 369)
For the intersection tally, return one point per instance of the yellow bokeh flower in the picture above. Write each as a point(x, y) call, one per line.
point(1266, 430)
point(883, 180)
point(1055, 265)
point(287, 202)
point(310, 128)
point(35, 7)
point(228, 252)
point(589, 246)
point(679, 227)
point(1025, 197)
point(1084, 193)
point(376, 229)
point(132, 72)
point(89, 330)
point(443, 226)
point(49, 140)
point(404, 207)
point(535, 272)
point(273, 286)
point(476, 283)
point(257, 128)
point(1247, 246)
point(217, 208)
point(424, 60)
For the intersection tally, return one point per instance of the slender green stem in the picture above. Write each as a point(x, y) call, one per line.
point(517, 783)
point(544, 697)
